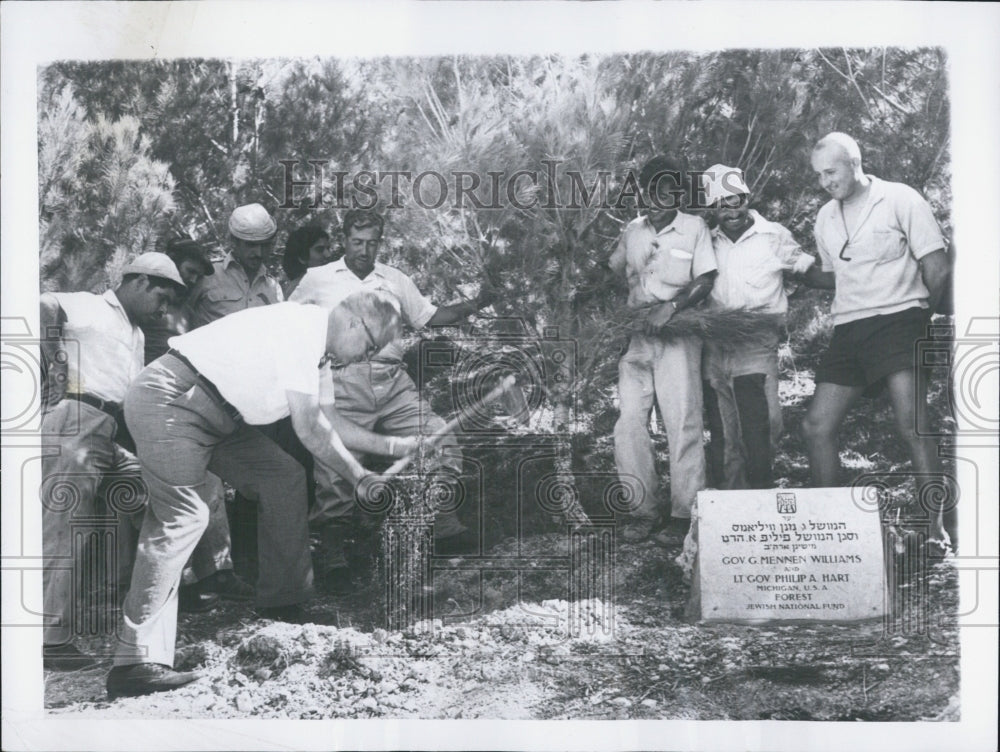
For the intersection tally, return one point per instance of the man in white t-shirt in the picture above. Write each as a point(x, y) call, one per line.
point(193, 410)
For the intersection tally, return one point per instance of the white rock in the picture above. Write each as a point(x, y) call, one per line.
point(622, 701)
point(245, 703)
point(649, 702)
point(370, 703)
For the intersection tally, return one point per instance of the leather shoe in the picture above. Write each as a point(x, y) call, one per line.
point(146, 678)
point(293, 614)
point(226, 584)
point(191, 600)
point(65, 657)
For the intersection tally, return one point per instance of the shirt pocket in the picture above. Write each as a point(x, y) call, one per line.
point(761, 270)
point(887, 246)
point(671, 266)
point(225, 301)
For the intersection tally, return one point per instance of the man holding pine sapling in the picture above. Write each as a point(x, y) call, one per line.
point(667, 259)
point(741, 377)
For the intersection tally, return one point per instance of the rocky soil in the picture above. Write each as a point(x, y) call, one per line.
point(513, 646)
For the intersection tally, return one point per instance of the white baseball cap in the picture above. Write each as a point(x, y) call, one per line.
point(154, 264)
point(721, 182)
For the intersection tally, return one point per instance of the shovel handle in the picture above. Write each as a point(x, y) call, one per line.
point(434, 439)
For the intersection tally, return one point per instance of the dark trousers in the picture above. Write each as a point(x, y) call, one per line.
point(740, 450)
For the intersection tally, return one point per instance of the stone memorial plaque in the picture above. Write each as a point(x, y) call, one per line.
point(803, 554)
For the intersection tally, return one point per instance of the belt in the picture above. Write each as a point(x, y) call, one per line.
point(114, 409)
point(208, 386)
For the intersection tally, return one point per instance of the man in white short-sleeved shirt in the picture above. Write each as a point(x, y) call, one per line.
point(195, 409)
point(882, 251)
point(93, 349)
point(741, 379)
point(378, 394)
point(667, 259)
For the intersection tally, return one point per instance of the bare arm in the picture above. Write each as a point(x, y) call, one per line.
point(449, 315)
point(53, 349)
point(695, 291)
point(936, 271)
point(691, 294)
point(816, 277)
point(360, 439)
point(320, 437)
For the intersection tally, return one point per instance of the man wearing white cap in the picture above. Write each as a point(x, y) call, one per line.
point(93, 349)
point(882, 251)
point(667, 259)
point(240, 280)
point(741, 380)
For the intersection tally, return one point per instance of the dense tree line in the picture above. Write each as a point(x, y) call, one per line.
point(131, 151)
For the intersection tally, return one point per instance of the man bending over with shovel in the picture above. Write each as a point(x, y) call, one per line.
point(192, 411)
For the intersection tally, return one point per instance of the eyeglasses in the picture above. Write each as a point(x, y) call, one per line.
point(331, 359)
point(374, 347)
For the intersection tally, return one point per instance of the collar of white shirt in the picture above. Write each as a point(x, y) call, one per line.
point(338, 266)
point(760, 226)
point(114, 302)
point(673, 226)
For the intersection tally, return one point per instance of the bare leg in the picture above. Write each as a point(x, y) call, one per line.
point(909, 404)
point(830, 405)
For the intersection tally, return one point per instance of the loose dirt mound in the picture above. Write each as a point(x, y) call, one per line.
point(556, 658)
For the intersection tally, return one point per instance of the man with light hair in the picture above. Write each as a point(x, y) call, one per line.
point(741, 379)
point(881, 249)
point(195, 410)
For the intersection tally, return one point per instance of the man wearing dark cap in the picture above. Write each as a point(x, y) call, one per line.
point(93, 349)
point(240, 279)
point(667, 260)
